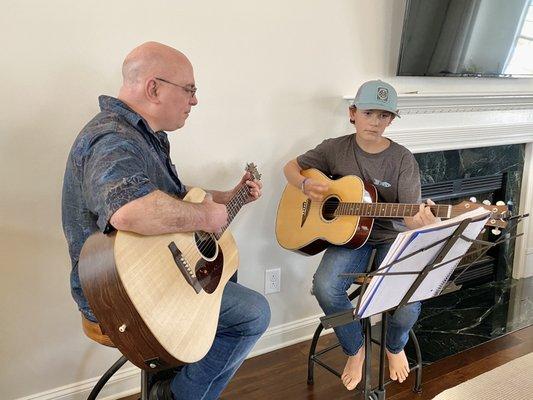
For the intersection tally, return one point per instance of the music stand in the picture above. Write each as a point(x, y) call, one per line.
point(434, 252)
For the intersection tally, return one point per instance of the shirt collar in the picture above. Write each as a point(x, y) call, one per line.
point(112, 104)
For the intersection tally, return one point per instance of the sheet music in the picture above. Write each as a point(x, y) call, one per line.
point(386, 292)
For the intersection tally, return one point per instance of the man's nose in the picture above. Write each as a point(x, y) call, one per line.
point(194, 100)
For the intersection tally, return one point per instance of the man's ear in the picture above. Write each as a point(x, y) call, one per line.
point(151, 90)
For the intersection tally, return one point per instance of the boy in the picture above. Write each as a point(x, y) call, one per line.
point(394, 171)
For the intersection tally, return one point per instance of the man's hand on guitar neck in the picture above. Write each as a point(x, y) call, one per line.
point(254, 187)
point(254, 190)
point(423, 217)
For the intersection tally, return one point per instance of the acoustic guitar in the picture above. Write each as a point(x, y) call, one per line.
point(158, 297)
point(346, 214)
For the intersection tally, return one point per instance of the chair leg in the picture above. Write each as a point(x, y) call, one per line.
point(105, 377)
point(417, 388)
point(144, 385)
point(310, 359)
point(367, 384)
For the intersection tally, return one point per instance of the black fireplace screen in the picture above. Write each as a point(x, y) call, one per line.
point(493, 265)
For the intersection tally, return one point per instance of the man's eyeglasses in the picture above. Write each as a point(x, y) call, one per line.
point(191, 90)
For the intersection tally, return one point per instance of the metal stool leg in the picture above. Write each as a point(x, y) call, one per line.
point(367, 389)
point(105, 377)
point(312, 350)
point(312, 358)
point(144, 384)
point(417, 388)
point(379, 392)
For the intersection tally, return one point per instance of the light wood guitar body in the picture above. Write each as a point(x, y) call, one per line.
point(308, 227)
point(345, 216)
point(158, 297)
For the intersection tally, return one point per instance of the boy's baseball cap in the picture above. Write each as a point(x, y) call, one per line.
point(376, 95)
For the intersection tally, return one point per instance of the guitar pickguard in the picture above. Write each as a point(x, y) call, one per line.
point(306, 206)
point(210, 272)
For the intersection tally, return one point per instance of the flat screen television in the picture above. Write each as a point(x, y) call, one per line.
point(479, 38)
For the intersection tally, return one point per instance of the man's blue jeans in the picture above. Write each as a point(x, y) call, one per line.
point(244, 317)
point(330, 291)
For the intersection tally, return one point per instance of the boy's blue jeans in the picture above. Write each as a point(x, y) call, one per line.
point(244, 317)
point(330, 291)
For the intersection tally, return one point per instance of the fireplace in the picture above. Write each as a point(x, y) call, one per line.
point(491, 266)
point(489, 173)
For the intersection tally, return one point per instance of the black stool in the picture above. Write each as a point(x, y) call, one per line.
point(93, 331)
point(370, 393)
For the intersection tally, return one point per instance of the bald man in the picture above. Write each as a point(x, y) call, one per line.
point(119, 176)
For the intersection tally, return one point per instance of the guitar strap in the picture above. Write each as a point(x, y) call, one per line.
point(361, 172)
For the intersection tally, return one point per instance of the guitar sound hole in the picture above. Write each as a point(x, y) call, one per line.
point(206, 244)
point(329, 207)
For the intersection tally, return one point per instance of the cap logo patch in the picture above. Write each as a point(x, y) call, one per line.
point(383, 94)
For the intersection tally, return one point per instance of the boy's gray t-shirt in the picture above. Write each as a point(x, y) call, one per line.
point(394, 172)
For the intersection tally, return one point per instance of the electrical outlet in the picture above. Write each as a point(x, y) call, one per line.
point(272, 280)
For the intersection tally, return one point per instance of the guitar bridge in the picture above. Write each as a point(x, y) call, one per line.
point(184, 267)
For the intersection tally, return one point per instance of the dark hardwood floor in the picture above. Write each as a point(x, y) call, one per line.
point(282, 374)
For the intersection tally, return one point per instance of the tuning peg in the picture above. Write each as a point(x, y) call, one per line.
point(500, 203)
point(496, 231)
point(486, 202)
point(473, 199)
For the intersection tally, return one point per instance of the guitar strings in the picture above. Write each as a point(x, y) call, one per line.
point(374, 209)
point(209, 244)
point(331, 208)
point(234, 205)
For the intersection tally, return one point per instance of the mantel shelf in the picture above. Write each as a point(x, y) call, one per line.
point(430, 103)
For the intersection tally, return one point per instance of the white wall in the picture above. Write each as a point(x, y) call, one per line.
point(271, 78)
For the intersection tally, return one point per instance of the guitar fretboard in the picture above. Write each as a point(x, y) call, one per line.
point(234, 206)
point(389, 210)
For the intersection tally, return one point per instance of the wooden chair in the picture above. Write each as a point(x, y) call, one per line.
point(92, 331)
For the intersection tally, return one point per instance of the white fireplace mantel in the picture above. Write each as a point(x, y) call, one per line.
point(434, 122)
point(438, 121)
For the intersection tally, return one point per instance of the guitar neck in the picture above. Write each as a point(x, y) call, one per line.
point(234, 206)
point(389, 210)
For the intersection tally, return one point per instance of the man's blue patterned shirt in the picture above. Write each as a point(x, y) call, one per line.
point(115, 159)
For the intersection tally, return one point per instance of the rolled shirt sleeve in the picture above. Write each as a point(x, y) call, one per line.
point(114, 174)
point(316, 158)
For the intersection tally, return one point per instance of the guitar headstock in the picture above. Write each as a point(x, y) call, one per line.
point(498, 211)
point(252, 169)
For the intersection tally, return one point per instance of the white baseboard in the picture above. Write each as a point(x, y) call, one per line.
point(278, 337)
point(127, 380)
